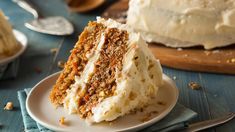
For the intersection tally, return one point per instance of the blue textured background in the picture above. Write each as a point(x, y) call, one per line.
point(216, 97)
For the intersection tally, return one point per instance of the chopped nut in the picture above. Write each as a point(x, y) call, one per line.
point(60, 64)
point(9, 106)
point(62, 121)
point(54, 50)
point(194, 85)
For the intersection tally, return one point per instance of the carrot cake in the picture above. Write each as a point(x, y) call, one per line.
point(184, 23)
point(8, 42)
point(109, 73)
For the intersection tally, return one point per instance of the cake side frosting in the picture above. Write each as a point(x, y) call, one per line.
point(140, 79)
point(8, 42)
point(184, 23)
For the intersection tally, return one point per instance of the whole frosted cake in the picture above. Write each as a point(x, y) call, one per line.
point(184, 23)
point(109, 73)
point(8, 42)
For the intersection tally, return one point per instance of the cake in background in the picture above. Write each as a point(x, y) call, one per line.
point(8, 42)
point(184, 23)
point(109, 73)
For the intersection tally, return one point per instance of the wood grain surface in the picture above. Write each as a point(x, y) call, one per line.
point(214, 99)
point(220, 60)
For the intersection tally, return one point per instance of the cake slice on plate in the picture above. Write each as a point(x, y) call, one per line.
point(109, 73)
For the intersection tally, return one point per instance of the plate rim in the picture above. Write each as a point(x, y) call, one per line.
point(24, 45)
point(136, 127)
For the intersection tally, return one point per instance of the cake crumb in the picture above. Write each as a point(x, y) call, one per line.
point(146, 117)
point(174, 77)
point(231, 60)
point(62, 121)
point(161, 103)
point(194, 85)
point(9, 106)
point(207, 53)
point(215, 51)
point(179, 49)
point(54, 50)
point(61, 64)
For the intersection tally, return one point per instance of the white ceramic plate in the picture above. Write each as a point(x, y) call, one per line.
point(42, 111)
point(22, 39)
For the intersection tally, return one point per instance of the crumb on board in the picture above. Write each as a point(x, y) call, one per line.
point(9, 106)
point(62, 121)
point(37, 69)
point(61, 64)
point(174, 77)
point(194, 85)
point(54, 50)
point(230, 60)
point(179, 49)
point(207, 53)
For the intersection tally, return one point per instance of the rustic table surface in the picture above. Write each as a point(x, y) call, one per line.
point(214, 99)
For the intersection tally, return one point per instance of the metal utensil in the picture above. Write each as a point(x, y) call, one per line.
point(55, 25)
point(209, 123)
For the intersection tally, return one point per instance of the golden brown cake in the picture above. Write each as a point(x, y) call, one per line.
point(109, 73)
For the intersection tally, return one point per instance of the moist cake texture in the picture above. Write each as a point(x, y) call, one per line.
point(109, 73)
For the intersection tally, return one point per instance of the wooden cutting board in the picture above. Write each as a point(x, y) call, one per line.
point(220, 60)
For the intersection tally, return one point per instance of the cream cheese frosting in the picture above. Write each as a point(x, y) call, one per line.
point(137, 82)
point(8, 42)
point(184, 23)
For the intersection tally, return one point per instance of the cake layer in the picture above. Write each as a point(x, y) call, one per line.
point(78, 59)
point(184, 23)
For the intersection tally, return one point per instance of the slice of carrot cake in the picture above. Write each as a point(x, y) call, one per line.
point(109, 73)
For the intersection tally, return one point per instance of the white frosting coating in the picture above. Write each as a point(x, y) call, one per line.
point(137, 83)
point(184, 23)
point(8, 43)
